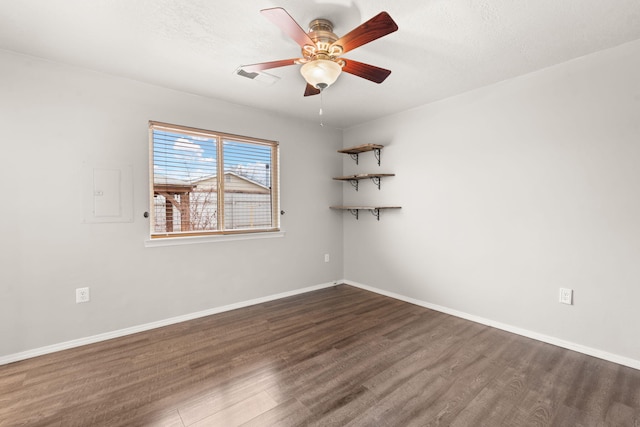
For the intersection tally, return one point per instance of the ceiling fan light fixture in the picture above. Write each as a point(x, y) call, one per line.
point(321, 73)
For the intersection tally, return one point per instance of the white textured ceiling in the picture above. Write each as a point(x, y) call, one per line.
point(442, 47)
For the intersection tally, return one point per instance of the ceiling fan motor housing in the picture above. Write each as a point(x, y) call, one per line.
point(321, 32)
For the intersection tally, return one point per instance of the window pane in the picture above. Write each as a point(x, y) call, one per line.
point(184, 186)
point(247, 185)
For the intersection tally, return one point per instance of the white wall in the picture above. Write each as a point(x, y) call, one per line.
point(509, 193)
point(57, 120)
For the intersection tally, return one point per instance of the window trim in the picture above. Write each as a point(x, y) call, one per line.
point(210, 238)
point(220, 137)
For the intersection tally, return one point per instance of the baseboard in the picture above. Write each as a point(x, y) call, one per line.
point(632, 363)
point(621, 360)
point(153, 325)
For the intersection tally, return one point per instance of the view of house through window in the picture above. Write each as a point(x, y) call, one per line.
point(205, 182)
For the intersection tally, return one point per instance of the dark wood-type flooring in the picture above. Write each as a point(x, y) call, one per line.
point(335, 357)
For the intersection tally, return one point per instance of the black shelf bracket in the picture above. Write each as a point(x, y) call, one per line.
point(354, 156)
point(376, 152)
point(355, 210)
point(376, 180)
point(354, 183)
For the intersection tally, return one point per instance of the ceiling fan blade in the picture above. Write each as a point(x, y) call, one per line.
point(310, 90)
point(376, 27)
point(252, 68)
point(286, 23)
point(366, 71)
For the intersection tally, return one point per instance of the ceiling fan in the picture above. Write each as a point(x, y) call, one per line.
point(322, 50)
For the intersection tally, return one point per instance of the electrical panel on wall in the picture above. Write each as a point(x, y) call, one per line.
point(108, 194)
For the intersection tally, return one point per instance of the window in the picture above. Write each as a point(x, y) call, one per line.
point(205, 182)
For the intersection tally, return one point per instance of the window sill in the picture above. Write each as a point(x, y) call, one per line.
point(192, 240)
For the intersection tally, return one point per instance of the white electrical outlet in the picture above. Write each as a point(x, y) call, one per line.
point(82, 295)
point(566, 296)
point(326, 258)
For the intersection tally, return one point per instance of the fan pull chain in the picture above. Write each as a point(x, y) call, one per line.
point(320, 113)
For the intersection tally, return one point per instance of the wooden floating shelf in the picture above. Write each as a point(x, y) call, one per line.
point(353, 179)
point(362, 176)
point(365, 207)
point(375, 210)
point(361, 148)
point(355, 151)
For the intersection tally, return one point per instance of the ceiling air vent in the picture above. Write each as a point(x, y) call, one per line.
point(264, 78)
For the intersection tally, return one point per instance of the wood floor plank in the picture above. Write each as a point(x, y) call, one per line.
point(338, 356)
point(168, 419)
point(495, 402)
point(290, 413)
point(226, 395)
point(619, 414)
point(402, 403)
point(237, 413)
point(471, 379)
